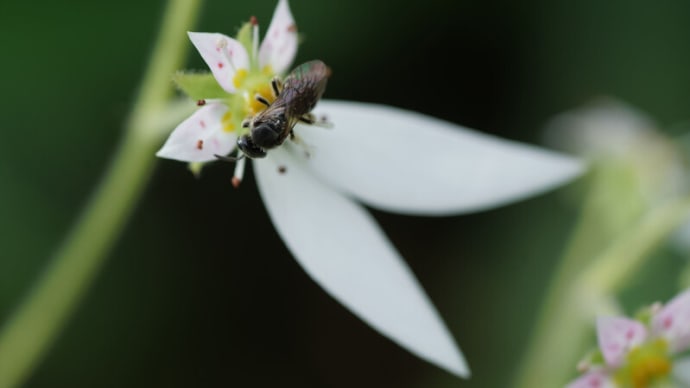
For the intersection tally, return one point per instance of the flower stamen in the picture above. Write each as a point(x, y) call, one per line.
point(255, 38)
point(205, 101)
point(239, 173)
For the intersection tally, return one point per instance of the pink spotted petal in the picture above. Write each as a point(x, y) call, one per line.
point(223, 55)
point(200, 137)
point(595, 379)
point(617, 336)
point(279, 46)
point(673, 322)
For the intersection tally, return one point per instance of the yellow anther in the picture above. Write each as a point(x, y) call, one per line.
point(227, 117)
point(239, 77)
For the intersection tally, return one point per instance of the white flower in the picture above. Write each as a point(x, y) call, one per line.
point(374, 155)
point(610, 131)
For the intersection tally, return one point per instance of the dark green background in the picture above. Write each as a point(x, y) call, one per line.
point(200, 290)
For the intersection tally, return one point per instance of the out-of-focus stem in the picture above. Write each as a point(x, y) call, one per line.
point(27, 335)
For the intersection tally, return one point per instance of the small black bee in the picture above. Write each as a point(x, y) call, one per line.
point(296, 97)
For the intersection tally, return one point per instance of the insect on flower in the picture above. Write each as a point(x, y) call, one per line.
point(293, 102)
point(316, 201)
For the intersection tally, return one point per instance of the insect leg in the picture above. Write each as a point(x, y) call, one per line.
point(308, 118)
point(311, 119)
point(228, 158)
point(306, 148)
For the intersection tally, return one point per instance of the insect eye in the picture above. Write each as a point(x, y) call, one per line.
point(266, 135)
point(247, 146)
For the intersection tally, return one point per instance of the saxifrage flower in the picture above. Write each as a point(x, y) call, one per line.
point(315, 189)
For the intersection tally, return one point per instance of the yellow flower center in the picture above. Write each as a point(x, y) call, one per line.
point(264, 90)
point(646, 365)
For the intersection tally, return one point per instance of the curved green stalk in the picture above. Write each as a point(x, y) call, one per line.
point(568, 315)
point(28, 334)
point(609, 272)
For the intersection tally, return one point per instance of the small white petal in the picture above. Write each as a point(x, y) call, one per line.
point(342, 248)
point(595, 379)
point(681, 371)
point(406, 162)
point(279, 46)
point(200, 137)
point(617, 335)
point(223, 55)
point(673, 322)
point(605, 127)
point(611, 131)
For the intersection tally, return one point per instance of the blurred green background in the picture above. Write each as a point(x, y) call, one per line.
point(200, 290)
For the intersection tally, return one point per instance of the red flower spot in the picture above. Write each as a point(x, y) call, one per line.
point(595, 382)
point(220, 65)
point(629, 334)
point(667, 322)
point(200, 144)
point(201, 103)
point(202, 123)
point(253, 21)
point(292, 28)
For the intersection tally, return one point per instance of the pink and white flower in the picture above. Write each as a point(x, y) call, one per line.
point(372, 156)
point(642, 355)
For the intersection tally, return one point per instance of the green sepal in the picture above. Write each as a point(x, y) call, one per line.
point(199, 86)
point(195, 168)
point(645, 314)
point(244, 36)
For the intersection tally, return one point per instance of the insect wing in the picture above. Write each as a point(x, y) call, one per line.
point(303, 88)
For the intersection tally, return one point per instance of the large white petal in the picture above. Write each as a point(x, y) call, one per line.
point(279, 46)
point(341, 247)
point(200, 137)
point(406, 162)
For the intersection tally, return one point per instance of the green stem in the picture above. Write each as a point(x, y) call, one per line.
point(27, 335)
point(615, 266)
point(613, 202)
point(576, 300)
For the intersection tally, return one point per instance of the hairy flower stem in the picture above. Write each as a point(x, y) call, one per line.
point(27, 335)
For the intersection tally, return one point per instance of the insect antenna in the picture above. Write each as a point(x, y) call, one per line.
point(230, 159)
